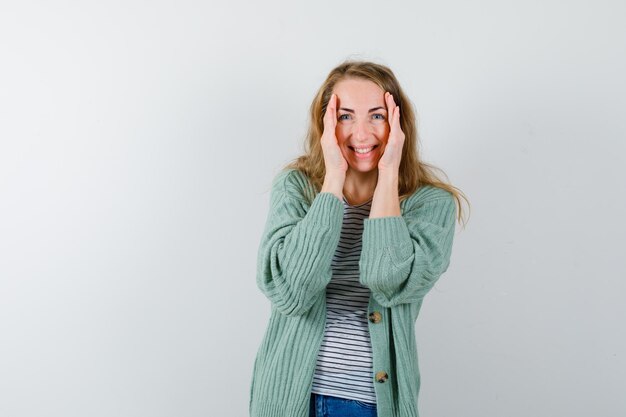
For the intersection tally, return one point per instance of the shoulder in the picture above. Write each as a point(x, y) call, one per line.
point(432, 196)
point(293, 183)
point(428, 193)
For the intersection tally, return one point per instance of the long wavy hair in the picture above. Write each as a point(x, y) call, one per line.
point(413, 174)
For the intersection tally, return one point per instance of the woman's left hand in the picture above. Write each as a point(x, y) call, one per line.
point(390, 160)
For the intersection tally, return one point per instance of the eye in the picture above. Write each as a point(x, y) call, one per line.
point(341, 117)
point(378, 116)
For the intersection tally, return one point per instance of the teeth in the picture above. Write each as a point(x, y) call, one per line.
point(363, 150)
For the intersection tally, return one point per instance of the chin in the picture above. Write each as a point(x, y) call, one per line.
point(364, 169)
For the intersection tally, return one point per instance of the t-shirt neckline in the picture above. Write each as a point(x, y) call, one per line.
point(358, 205)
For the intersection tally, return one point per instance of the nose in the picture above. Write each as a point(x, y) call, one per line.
point(361, 130)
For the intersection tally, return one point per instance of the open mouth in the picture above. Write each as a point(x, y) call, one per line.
point(363, 151)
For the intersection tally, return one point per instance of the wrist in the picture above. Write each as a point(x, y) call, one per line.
point(388, 178)
point(333, 183)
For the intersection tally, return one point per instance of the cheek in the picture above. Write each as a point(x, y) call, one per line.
point(382, 132)
point(342, 132)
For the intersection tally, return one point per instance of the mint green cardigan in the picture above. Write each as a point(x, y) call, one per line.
point(401, 259)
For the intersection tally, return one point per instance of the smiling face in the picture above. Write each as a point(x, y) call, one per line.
point(361, 123)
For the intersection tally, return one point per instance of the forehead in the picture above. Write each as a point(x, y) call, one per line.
point(355, 93)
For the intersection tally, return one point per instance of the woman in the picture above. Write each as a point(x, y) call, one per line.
point(359, 230)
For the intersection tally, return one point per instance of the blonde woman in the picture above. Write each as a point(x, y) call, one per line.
point(359, 230)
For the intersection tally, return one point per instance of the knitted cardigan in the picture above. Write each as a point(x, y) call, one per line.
point(401, 259)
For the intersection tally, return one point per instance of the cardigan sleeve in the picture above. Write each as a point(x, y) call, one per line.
point(403, 256)
point(296, 249)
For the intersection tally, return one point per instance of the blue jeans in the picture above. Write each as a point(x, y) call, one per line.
point(327, 406)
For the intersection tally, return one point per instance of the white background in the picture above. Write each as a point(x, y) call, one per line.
point(138, 141)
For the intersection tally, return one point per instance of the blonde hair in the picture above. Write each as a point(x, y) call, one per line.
point(413, 172)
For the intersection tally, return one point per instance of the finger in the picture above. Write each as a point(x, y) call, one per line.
point(330, 117)
point(398, 127)
point(396, 118)
point(390, 107)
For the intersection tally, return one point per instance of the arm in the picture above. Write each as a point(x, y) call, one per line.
point(297, 247)
point(403, 256)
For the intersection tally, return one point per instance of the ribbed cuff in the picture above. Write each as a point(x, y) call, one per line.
point(326, 210)
point(384, 232)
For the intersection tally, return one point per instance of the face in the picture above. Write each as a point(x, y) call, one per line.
point(361, 123)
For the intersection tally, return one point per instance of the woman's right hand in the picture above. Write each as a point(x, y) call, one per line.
point(335, 163)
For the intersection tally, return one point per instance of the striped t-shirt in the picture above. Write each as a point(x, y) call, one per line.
point(344, 361)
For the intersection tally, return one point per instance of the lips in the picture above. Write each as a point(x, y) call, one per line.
point(363, 155)
point(367, 149)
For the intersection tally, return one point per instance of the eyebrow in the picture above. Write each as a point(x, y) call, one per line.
point(371, 110)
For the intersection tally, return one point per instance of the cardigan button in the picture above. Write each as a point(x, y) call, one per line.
point(381, 376)
point(375, 317)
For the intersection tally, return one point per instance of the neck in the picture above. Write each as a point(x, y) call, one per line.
point(359, 186)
